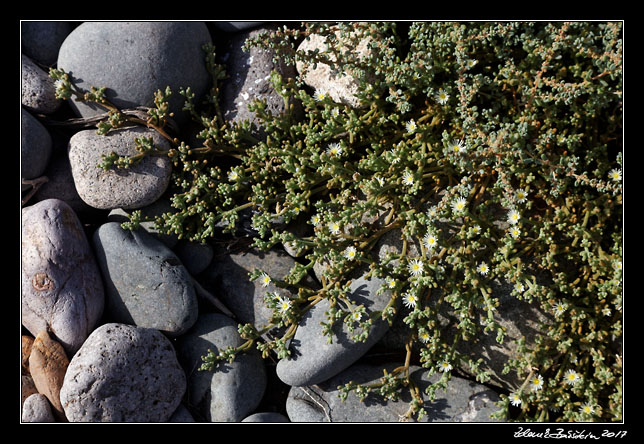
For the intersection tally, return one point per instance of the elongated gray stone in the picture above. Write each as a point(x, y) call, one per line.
point(462, 401)
point(62, 291)
point(232, 390)
point(35, 146)
point(313, 359)
point(145, 283)
point(123, 373)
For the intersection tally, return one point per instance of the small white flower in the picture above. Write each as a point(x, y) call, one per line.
point(513, 216)
point(515, 399)
point(380, 180)
point(415, 267)
point(424, 337)
point(334, 149)
point(559, 308)
point(390, 282)
point(521, 195)
point(334, 227)
point(476, 229)
point(617, 265)
point(233, 175)
point(572, 377)
point(587, 409)
point(459, 205)
point(335, 112)
point(408, 178)
point(445, 366)
point(457, 147)
point(315, 220)
point(319, 96)
point(411, 126)
point(471, 63)
point(442, 97)
point(519, 287)
point(410, 300)
point(430, 241)
point(483, 268)
point(606, 311)
point(350, 253)
point(284, 304)
point(432, 212)
point(515, 232)
point(265, 279)
point(615, 175)
point(536, 383)
point(356, 315)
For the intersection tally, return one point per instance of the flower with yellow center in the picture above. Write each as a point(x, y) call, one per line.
point(284, 305)
point(457, 147)
point(319, 96)
point(615, 175)
point(536, 382)
point(334, 227)
point(410, 300)
point(415, 267)
point(430, 241)
point(408, 178)
point(572, 377)
point(458, 206)
point(350, 253)
point(442, 97)
point(513, 217)
point(265, 279)
point(445, 366)
point(334, 150)
point(521, 195)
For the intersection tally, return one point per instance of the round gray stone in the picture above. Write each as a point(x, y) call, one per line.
point(134, 187)
point(62, 291)
point(35, 146)
point(135, 59)
point(145, 283)
point(41, 40)
point(123, 373)
point(313, 359)
point(232, 390)
point(38, 93)
point(462, 401)
point(36, 408)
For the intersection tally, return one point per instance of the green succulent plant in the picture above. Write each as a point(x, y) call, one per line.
point(492, 151)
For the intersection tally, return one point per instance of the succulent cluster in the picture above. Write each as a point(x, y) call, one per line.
point(492, 151)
